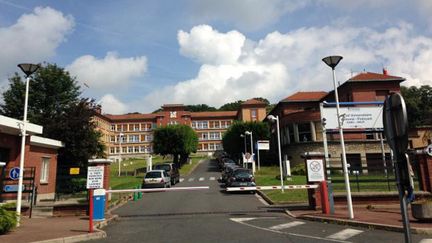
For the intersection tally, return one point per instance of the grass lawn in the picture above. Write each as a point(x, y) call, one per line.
point(269, 176)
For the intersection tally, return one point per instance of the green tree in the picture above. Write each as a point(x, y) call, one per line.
point(234, 144)
point(55, 104)
point(200, 107)
point(233, 106)
point(176, 140)
point(418, 100)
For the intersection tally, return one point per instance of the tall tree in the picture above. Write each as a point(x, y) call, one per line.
point(418, 100)
point(233, 106)
point(177, 140)
point(234, 144)
point(200, 107)
point(55, 104)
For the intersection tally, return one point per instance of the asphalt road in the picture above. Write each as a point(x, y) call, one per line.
point(215, 216)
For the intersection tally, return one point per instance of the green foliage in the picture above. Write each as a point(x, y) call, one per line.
point(71, 185)
point(55, 104)
point(418, 102)
point(298, 169)
point(234, 144)
point(200, 107)
point(8, 220)
point(233, 106)
point(177, 140)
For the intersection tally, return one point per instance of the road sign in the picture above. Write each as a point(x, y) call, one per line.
point(263, 145)
point(95, 176)
point(396, 123)
point(429, 150)
point(315, 170)
point(14, 173)
point(11, 188)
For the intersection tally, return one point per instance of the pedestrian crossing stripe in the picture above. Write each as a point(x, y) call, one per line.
point(201, 179)
point(212, 178)
point(191, 179)
point(345, 234)
point(287, 225)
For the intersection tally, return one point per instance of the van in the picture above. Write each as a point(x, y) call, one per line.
point(171, 170)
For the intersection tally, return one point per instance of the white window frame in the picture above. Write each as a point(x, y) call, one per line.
point(44, 176)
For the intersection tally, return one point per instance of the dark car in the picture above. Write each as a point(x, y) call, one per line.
point(240, 177)
point(225, 162)
point(171, 170)
point(228, 171)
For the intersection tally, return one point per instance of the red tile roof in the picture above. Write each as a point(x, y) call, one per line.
point(306, 96)
point(133, 116)
point(367, 76)
point(214, 114)
point(254, 102)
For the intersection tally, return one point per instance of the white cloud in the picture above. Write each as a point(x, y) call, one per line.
point(33, 38)
point(209, 46)
point(247, 15)
point(281, 64)
point(108, 74)
point(112, 105)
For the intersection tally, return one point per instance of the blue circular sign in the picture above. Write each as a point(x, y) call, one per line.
point(14, 173)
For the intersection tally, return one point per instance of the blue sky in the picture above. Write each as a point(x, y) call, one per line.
point(138, 55)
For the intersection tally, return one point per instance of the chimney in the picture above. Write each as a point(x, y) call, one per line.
point(385, 72)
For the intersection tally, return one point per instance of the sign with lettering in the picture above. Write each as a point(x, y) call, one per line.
point(74, 171)
point(95, 176)
point(315, 170)
point(354, 117)
point(263, 145)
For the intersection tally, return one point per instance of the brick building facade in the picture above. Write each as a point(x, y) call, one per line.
point(40, 158)
point(131, 135)
point(302, 130)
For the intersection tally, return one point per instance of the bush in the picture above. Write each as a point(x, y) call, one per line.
point(298, 170)
point(8, 220)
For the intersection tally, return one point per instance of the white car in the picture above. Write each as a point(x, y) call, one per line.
point(156, 179)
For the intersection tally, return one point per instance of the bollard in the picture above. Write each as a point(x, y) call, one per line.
point(135, 195)
point(324, 198)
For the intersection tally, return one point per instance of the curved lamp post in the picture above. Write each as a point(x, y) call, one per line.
point(272, 118)
point(28, 69)
point(244, 140)
point(333, 61)
point(121, 135)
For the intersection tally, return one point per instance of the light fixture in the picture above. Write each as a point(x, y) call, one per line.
point(332, 61)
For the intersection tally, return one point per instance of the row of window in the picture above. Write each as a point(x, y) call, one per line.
point(132, 138)
point(132, 127)
point(210, 124)
point(210, 135)
point(131, 149)
point(209, 146)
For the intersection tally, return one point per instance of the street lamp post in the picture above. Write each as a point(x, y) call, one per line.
point(273, 119)
point(244, 140)
point(120, 154)
point(332, 61)
point(28, 70)
point(251, 147)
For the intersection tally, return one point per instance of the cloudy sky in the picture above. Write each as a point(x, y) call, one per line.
point(138, 55)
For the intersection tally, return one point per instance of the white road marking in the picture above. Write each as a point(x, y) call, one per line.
point(212, 178)
point(287, 225)
point(201, 179)
point(426, 241)
point(345, 234)
point(191, 179)
point(181, 179)
point(261, 199)
point(243, 221)
point(238, 220)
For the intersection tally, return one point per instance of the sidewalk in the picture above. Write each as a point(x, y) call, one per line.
point(57, 229)
point(386, 217)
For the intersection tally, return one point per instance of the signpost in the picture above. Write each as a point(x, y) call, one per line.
point(395, 122)
point(262, 145)
point(95, 178)
point(14, 173)
point(315, 170)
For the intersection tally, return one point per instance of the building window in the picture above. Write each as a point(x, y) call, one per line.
point(172, 122)
point(113, 127)
point(133, 138)
point(200, 125)
point(211, 146)
point(44, 170)
point(214, 124)
point(204, 136)
point(136, 127)
point(148, 138)
point(214, 135)
point(253, 114)
point(304, 131)
point(112, 150)
point(112, 139)
point(136, 149)
point(130, 149)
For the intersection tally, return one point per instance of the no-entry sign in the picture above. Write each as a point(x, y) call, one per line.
point(315, 170)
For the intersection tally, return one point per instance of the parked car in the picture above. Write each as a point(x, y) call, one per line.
point(225, 162)
point(228, 170)
point(156, 179)
point(172, 171)
point(240, 177)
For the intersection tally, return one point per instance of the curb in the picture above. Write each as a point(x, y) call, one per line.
point(265, 197)
point(102, 224)
point(364, 224)
point(195, 166)
point(77, 238)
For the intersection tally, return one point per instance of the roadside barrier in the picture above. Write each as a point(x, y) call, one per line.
point(254, 188)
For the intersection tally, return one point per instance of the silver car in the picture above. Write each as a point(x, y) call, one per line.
point(156, 179)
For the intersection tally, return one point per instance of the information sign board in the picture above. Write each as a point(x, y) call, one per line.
point(74, 171)
point(315, 170)
point(354, 117)
point(95, 176)
point(429, 150)
point(11, 188)
point(263, 144)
